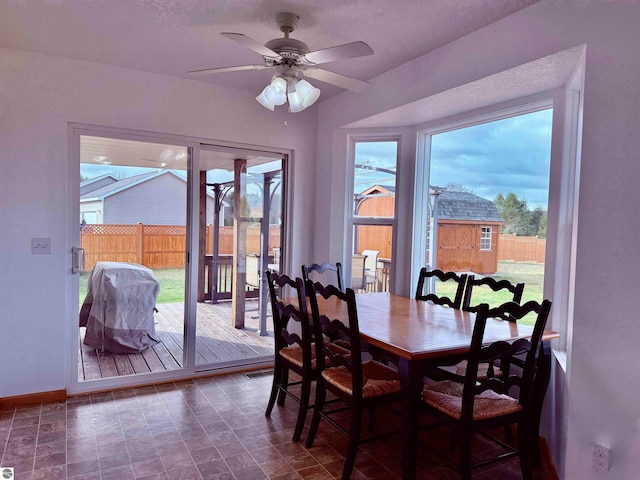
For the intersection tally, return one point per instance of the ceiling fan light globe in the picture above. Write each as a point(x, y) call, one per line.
point(275, 95)
point(308, 93)
point(296, 103)
point(279, 83)
point(264, 100)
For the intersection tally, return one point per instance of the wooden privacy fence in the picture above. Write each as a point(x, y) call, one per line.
point(513, 248)
point(158, 246)
point(163, 246)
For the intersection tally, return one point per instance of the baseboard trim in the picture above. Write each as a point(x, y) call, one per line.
point(8, 403)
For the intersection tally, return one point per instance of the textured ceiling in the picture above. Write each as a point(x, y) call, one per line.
point(530, 78)
point(172, 37)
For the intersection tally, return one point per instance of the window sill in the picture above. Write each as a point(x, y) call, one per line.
point(561, 358)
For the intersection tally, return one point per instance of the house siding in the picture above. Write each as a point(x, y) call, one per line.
point(158, 201)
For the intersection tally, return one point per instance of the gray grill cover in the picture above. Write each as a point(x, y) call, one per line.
point(119, 306)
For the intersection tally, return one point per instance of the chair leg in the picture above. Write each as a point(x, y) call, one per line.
point(284, 383)
point(274, 391)
point(354, 440)
point(372, 418)
point(524, 452)
point(318, 406)
point(305, 393)
point(453, 439)
point(465, 455)
point(508, 433)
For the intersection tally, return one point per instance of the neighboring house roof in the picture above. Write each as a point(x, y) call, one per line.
point(454, 205)
point(95, 183)
point(125, 183)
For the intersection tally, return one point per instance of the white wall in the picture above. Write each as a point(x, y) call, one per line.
point(602, 383)
point(39, 95)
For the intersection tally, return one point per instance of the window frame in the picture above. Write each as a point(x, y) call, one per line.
point(351, 219)
point(567, 102)
point(483, 237)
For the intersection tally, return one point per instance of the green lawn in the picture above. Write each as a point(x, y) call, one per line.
point(531, 274)
point(171, 285)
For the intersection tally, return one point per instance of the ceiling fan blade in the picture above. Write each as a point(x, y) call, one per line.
point(336, 79)
point(251, 44)
point(339, 52)
point(207, 71)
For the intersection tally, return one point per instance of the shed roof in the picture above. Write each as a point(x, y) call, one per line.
point(467, 206)
point(454, 205)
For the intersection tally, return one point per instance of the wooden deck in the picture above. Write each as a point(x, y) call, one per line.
point(216, 341)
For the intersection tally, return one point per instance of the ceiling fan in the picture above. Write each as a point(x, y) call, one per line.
point(291, 58)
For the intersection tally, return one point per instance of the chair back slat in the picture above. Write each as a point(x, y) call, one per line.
point(285, 335)
point(516, 290)
point(337, 330)
point(320, 269)
point(459, 279)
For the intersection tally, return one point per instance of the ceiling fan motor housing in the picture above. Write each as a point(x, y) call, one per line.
point(287, 47)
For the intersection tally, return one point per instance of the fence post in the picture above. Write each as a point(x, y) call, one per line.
point(139, 243)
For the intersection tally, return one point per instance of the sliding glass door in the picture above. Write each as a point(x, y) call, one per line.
point(132, 227)
point(170, 243)
point(240, 236)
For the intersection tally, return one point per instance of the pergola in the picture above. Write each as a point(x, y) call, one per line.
point(268, 182)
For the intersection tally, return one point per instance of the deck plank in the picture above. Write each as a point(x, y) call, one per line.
point(123, 364)
point(174, 348)
point(217, 340)
point(164, 357)
point(153, 361)
point(91, 366)
point(107, 364)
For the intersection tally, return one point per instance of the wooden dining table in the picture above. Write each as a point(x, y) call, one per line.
point(417, 333)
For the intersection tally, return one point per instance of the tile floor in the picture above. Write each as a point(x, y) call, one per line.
point(211, 428)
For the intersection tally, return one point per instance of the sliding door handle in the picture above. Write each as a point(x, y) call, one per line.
point(78, 259)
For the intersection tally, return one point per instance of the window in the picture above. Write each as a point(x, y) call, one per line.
point(374, 192)
point(485, 238)
point(482, 174)
point(90, 217)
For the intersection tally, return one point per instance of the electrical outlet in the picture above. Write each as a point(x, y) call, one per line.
point(600, 457)
point(40, 246)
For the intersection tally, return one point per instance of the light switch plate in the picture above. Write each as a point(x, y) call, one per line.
point(40, 246)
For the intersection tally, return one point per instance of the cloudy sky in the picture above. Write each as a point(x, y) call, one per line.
point(510, 155)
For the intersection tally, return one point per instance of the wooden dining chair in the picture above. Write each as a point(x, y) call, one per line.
point(510, 293)
point(458, 280)
point(320, 269)
point(294, 350)
point(472, 405)
point(505, 291)
point(360, 385)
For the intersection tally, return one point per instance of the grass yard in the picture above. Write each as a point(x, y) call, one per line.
point(531, 274)
point(171, 285)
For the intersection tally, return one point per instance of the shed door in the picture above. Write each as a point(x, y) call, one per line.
point(456, 247)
